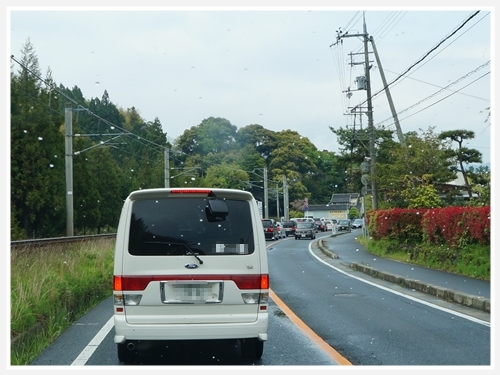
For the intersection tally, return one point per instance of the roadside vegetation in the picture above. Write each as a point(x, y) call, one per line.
point(452, 239)
point(118, 151)
point(52, 287)
point(471, 261)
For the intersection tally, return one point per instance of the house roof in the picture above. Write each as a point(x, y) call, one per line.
point(343, 198)
point(329, 207)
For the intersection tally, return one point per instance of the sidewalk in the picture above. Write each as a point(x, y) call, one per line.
point(345, 250)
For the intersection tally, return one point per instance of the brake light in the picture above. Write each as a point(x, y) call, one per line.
point(137, 283)
point(264, 281)
point(117, 283)
point(191, 191)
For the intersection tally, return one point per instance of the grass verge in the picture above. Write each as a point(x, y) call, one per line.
point(52, 287)
point(471, 261)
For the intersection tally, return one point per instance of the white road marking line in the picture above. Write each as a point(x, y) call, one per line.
point(87, 352)
point(402, 294)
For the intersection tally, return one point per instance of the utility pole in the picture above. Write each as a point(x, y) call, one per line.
point(369, 112)
point(371, 128)
point(68, 143)
point(266, 206)
point(277, 202)
point(389, 97)
point(167, 168)
point(286, 212)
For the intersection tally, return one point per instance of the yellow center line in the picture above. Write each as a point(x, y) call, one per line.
point(332, 353)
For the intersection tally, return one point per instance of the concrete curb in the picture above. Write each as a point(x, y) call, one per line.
point(448, 295)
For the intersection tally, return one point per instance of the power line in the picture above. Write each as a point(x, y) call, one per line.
point(446, 97)
point(82, 108)
point(422, 58)
point(441, 90)
point(427, 54)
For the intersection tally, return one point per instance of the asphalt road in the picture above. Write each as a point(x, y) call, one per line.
point(318, 308)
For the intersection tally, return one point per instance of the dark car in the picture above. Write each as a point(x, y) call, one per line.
point(357, 223)
point(344, 225)
point(270, 229)
point(289, 227)
point(320, 224)
point(305, 230)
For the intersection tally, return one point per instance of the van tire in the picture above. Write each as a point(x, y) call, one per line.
point(252, 348)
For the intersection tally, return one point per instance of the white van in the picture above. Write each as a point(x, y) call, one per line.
point(190, 264)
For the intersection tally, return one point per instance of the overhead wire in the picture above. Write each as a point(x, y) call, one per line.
point(421, 59)
point(441, 90)
point(82, 108)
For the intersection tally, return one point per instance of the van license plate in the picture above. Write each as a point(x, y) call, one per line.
point(199, 292)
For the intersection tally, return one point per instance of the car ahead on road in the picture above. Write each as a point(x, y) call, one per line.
point(357, 223)
point(189, 264)
point(320, 224)
point(281, 230)
point(305, 230)
point(270, 229)
point(303, 220)
point(344, 225)
point(289, 227)
point(328, 225)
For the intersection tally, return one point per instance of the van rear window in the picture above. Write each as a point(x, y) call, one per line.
point(179, 225)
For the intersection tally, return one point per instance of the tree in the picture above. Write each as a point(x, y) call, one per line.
point(37, 151)
point(420, 193)
point(226, 176)
point(213, 135)
point(422, 156)
point(480, 181)
point(462, 155)
point(261, 139)
point(355, 149)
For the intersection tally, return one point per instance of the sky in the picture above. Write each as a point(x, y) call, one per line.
point(282, 68)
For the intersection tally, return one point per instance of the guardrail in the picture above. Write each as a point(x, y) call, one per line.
point(41, 242)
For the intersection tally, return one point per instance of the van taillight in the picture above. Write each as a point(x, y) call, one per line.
point(136, 283)
point(264, 281)
point(117, 283)
point(191, 191)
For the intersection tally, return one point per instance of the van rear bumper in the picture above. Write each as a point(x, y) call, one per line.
point(125, 331)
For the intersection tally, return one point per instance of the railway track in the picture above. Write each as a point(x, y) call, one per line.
point(42, 242)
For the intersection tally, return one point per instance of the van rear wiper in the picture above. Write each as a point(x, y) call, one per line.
point(189, 252)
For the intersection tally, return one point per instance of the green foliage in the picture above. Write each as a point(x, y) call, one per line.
point(472, 261)
point(421, 194)
point(354, 213)
point(118, 151)
point(226, 176)
point(421, 162)
point(51, 288)
point(462, 155)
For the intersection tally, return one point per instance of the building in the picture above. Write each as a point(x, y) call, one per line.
point(338, 207)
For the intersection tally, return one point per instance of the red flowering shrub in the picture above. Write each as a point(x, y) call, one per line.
point(454, 226)
point(396, 223)
point(458, 226)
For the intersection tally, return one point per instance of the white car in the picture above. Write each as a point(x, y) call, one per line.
point(328, 225)
point(281, 230)
point(190, 264)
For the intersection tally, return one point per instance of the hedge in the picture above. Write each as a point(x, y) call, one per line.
point(454, 226)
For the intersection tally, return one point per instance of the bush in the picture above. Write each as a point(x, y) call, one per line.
point(456, 227)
